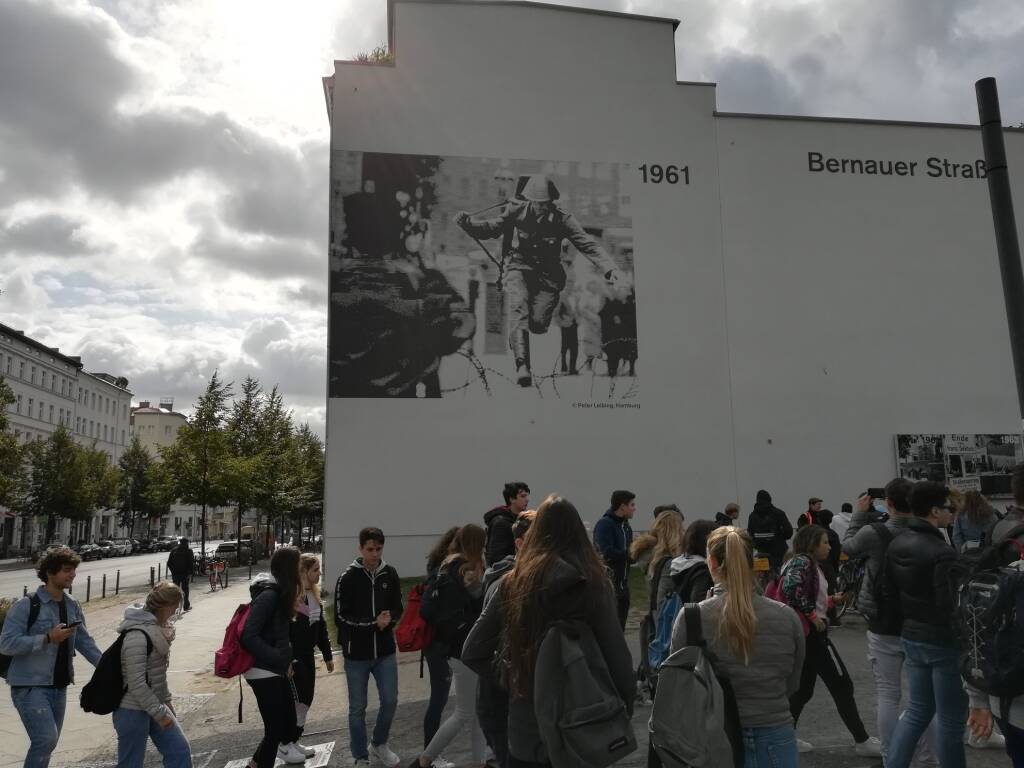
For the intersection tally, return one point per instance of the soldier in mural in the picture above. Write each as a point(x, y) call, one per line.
point(533, 273)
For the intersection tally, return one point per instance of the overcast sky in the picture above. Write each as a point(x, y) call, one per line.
point(163, 163)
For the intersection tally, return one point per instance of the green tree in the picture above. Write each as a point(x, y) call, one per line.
point(199, 464)
point(275, 428)
point(243, 429)
point(135, 495)
point(99, 481)
point(12, 456)
point(309, 491)
point(55, 479)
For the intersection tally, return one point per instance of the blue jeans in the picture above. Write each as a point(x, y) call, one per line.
point(357, 675)
point(936, 690)
point(42, 713)
point(134, 726)
point(770, 747)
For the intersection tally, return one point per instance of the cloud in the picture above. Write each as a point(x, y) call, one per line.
point(50, 234)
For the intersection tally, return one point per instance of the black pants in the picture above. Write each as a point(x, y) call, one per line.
point(822, 660)
point(440, 684)
point(182, 583)
point(570, 348)
point(622, 598)
point(515, 762)
point(277, 708)
point(492, 714)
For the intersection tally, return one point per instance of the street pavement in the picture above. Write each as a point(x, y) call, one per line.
point(134, 574)
point(208, 706)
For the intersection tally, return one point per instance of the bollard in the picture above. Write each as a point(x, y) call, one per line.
point(88, 587)
point(104, 592)
point(117, 582)
point(250, 570)
point(24, 591)
point(159, 571)
point(227, 573)
point(152, 574)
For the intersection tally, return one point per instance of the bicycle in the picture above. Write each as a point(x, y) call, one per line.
point(218, 578)
point(849, 581)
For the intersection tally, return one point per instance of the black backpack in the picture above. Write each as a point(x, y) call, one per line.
point(105, 689)
point(888, 618)
point(33, 614)
point(989, 615)
point(444, 606)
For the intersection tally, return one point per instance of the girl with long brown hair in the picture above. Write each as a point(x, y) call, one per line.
point(557, 576)
point(436, 654)
point(759, 647)
point(452, 606)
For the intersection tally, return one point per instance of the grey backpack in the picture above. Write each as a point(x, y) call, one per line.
point(689, 725)
point(582, 719)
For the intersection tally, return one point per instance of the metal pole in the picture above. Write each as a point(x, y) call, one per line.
point(159, 572)
point(88, 587)
point(24, 591)
point(152, 575)
point(117, 582)
point(104, 593)
point(1007, 245)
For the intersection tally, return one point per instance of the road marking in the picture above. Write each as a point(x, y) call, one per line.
point(318, 760)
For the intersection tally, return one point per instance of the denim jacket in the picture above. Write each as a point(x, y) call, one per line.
point(33, 659)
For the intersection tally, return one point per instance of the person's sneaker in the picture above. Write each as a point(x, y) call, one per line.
point(307, 751)
point(359, 763)
point(804, 746)
point(872, 747)
point(440, 762)
point(994, 741)
point(290, 754)
point(385, 755)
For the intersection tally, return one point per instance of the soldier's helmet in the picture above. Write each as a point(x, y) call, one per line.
point(539, 189)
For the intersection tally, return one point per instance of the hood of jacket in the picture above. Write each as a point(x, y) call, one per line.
point(562, 576)
point(684, 563)
point(497, 570)
point(261, 582)
point(137, 617)
point(763, 509)
point(503, 510)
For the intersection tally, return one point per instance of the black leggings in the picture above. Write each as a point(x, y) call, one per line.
point(277, 708)
point(440, 685)
point(822, 660)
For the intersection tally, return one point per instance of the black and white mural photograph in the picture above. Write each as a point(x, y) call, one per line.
point(966, 462)
point(481, 277)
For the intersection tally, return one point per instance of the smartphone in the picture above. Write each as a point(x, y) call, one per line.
point(72, 625)
point(876, 493)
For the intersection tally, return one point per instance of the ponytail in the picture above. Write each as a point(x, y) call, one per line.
point(733, 551)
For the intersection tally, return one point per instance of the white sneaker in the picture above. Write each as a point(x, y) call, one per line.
point(385, 755)
point(440, 762)
point(804, 746)
point(290, 754)
point(870, 748)
point(307, 751)
point(994, 741)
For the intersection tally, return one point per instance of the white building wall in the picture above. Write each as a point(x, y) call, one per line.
point(859, 305)
point(44, 385)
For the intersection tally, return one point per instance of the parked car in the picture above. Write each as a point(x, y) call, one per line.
point(105, 547)
point(136, 546)
point(165, 544)
point(229, 550)
point(88, 552)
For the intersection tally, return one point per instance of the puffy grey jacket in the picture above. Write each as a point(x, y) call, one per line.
point(763, 686)
point(153, 697)
point(862, 541)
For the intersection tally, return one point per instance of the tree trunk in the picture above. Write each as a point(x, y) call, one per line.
point(202, 532)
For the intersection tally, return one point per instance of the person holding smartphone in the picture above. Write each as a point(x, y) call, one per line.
point(41, 634)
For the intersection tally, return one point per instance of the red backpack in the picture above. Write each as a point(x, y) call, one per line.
point(413, 632)
point(231, 658)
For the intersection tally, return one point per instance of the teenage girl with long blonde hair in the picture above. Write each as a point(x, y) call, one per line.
point(759, 647)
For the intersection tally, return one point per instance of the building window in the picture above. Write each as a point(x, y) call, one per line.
point(53, 382)
point(42, 381)
point(63, 386)
point(94, 401)
point(51, 414)
point(9, 361)
point(122, 437)
point(33, 377)
point(104, 433)
point(40, 410)
point(30, 402)
point(21, 370)
point(78, 425)
point(19, 403)
point(124, 411)
point(167, 431)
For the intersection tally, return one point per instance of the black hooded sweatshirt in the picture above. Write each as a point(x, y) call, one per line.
point(500, 541)
point(770, 528)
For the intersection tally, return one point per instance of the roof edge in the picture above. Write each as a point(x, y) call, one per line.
point(858, 120)
point(23, 337)
point(522, 3)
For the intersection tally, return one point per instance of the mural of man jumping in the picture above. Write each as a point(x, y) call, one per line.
point(533, 272)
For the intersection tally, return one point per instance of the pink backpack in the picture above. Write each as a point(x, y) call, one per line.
point(774, 592)
point(231, 658)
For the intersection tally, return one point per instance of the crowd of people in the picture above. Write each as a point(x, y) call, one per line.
point(492, 596)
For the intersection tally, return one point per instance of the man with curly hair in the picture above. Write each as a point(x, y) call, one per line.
point(41, 634)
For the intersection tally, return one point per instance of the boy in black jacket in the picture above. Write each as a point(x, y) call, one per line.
point(367, 606)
